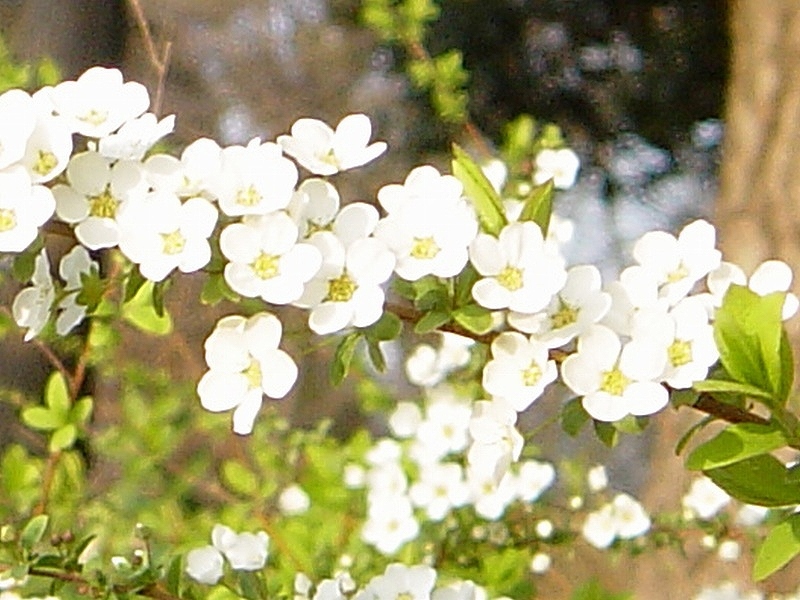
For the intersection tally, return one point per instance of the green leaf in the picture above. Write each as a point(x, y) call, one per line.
point(463, 285)
point(761, 480)
point(93, 288)
point(24, 265)
point(474, 318)
point(33, 531)
point(238, 478)
point(594, 591)
point(38, 417)
point(56, 395)
point(133, 283)
point(780, 546)
point(431, 321)
point(787, 368)
point(539, 206)
point(736, 443)
point(376, 355)
point(487, 202)
point(82, 410)
point(63, 438)
point(748, 331)
point(387, 328)
point(731, 387)
point(215, 290)
point(404, 289)
point(573, 417)
point(141, 312)
point(606, 433)
point(159, 290)
point(690, 433)
point(343, 356)
point(174, 575)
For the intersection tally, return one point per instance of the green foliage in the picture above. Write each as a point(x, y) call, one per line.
point(594, 591)
point(538, 206)
point(761, 479)
point(736, 443)
point(399, 20)
point(753, 348)
point(59, 415)
point(487, 202)
point(25, 76)
point(145, 310)
point(780, 546)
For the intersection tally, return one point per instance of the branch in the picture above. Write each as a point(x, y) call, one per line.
point(160, 62)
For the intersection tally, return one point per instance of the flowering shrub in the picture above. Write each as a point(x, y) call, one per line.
point(456, 503)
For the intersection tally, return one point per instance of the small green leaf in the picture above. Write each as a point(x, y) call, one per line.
point(376, 355)
point(606, 433)
point(38, 417)
point(93, 288)
point(690, 433)
point(33, 531)
point(594, 591)
point(63, 438)
point(133, 283)
point(141, 312)
point(731, 387)
point(387, 328)
point(539, 206)
point(238, 478)
point(431, 321)
point(343, 356)
point(780, 546)
point(463, 285)
point(761, 480)
point(24, 265)
point(56, 395)
point(573, 417)
point(487, 202)
point(215, 290)
point(404, 289)
point(787, 368)
point(736, 443)
point(174, 575)
point(474, 318)
point(82, 410)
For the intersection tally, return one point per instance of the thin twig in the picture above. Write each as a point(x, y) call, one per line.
point(159, 61)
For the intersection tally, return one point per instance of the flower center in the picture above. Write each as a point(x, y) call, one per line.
point(248, 196)
point(614, 382)
point(94, 117)
point(253, 373)
point(404, 596)
point(680, 353)
point(8, 219)
point(424, 248)
point(174, 242)
point(103, 205)
point(680, 273)
point(341, 289)
point(329, 158)
point(566, 315)
point(532, 374)
point(45, 162)
point(510, 278)
point(313, 227)
point(265, 266)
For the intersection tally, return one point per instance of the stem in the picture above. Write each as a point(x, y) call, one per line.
point(159, 62)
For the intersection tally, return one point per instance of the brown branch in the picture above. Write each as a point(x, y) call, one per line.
point(153, 590)
point(159, 61)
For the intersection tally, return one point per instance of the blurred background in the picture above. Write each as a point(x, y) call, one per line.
point(651, 94)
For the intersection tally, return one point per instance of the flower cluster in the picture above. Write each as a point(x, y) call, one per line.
point(243, 551)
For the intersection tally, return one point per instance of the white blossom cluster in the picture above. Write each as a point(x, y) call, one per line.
point(243, 551)
point(436, 442)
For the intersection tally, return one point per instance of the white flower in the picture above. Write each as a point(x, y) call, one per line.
point(729, 551)
point(402, 582)
point(266, 259)
point(346, 291)
point(559, 165)
point(496, 443)
point(429, 225)
point(136, 137)
point(244, 551)
point(31, 307)
point(440, 488)
point(192, 175)
point(18, 115)
point(490, 497)
point(390, 524)
point(444, 429)
point(73, 264)
point(23, 209)
point(597, 478)
point(99, 102)
point(600, 528)
point(533, 478)
point(405, 419)
point(244, 364)
point(540, 563)
point(293, 500)
point(161, 234)
point(517, 271)
point(544, 529)
point(204, 565)
point(615, 381)
point(705, 498)
point(49, 146)
point(324, 151)
point(578, 305)
point(426, 366)
point(253, 180)
point(770, 276)
point(677, 264)
point(519, 370)
point(98, 192)
point(622, 518)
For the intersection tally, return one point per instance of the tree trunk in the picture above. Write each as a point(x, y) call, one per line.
point(758, 208)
